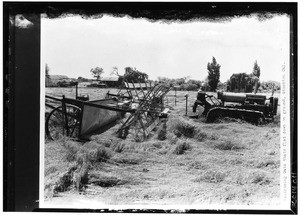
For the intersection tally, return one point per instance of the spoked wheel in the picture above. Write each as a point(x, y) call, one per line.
point(56, 126)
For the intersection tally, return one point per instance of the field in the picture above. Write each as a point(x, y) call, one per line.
point(229, 163)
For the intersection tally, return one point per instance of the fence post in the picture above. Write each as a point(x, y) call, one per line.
point(186, 103)
point(175, 95)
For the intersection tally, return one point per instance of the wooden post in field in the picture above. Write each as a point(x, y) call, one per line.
point(76, 89)
point(175, 95)
point(186, 103)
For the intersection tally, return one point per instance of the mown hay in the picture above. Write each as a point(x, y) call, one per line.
point(51, 169)
point(65, 181)
point(197, 165)
point(162, 133)
point(72, 149)
point(128, 158)
point(172, 139)
point(118, 147)
point(106, 181)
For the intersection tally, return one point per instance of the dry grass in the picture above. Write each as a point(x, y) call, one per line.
point(188, 161)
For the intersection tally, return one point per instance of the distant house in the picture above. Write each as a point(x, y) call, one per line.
point(83, 84)
point(110, 81)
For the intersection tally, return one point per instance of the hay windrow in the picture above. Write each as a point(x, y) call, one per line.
point(229, 162)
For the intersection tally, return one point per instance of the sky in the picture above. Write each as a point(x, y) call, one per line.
point(72, 46)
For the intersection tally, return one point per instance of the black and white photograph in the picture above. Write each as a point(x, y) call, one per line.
point(165, 109)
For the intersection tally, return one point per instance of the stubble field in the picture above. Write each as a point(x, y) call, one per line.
point(229, 163)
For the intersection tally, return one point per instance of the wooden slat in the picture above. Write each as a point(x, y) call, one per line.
point(151, 127)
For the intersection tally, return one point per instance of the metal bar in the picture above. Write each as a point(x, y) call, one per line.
point(127, 88)
point(50, 97)
point(111, 94)
point(141, 88)
point(68, 100)
point(50, 106)
point(137, 94)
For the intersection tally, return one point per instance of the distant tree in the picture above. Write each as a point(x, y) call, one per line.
point(256, 69)
point(241, 82)
point(82, 79)
point(133, 75)
point(115, 71)
point(213, 74)
point(222, 86)
point(97, 72)
point(180, 81)
point(62, 83)
point(47, 76)
point(269, 86)
point(47, 70)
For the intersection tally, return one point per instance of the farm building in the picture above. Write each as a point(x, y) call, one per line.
point(110, 81)
point(84, 84)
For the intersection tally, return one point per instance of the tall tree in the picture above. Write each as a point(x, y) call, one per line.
point(134, 75)
point(213, 74)
point(256, 69)
point(241, 82)
point(47, 70)
point(97, 72)
point(47, 76)
point(115, 71)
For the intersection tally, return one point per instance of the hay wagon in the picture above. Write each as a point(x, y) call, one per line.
point(79, 118)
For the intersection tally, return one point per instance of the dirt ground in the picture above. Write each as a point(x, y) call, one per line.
point(229, 163)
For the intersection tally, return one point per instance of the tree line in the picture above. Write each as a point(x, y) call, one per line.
point(238, 82)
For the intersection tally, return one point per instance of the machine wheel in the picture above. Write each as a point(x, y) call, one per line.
point(56, 127)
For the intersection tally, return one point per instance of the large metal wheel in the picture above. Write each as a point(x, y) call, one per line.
point(60, 124)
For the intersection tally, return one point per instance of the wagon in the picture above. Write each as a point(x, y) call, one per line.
point(80, 119)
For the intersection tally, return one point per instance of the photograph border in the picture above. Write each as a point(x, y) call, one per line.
point(21, 65)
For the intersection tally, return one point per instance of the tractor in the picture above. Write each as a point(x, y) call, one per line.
point(250, 107)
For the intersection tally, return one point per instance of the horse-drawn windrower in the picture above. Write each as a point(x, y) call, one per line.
point(138, 108)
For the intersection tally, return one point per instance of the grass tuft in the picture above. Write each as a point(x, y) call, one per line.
point(200, 136)
point(228, 145)
point(185, 129)
point(259, 177)
point(51, 169)
point(211, 176)
point(197, 165)
point(118, 147)
point(181, 147)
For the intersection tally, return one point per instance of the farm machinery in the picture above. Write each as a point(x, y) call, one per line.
point(250, 107)
point(138, 110)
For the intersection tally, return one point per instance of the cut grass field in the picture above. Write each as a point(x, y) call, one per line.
point(186, 161)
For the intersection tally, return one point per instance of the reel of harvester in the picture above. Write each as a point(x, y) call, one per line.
point(148, 109)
